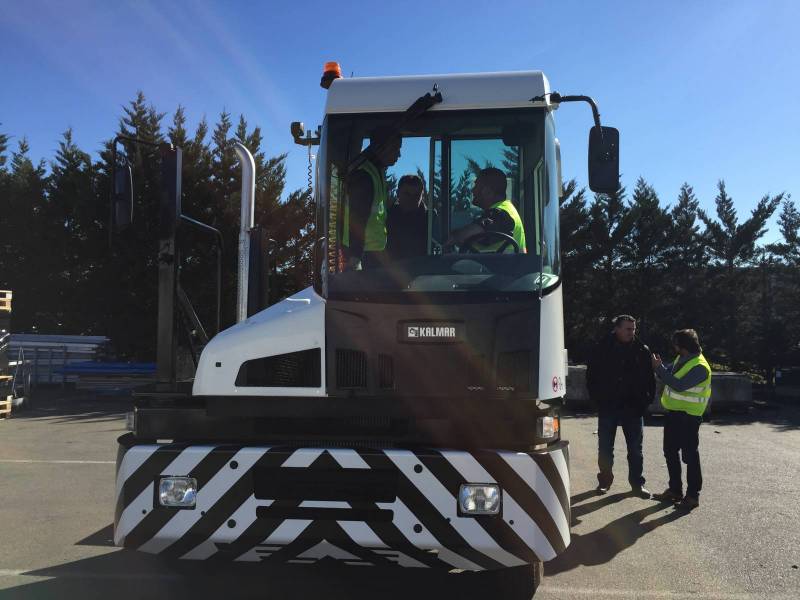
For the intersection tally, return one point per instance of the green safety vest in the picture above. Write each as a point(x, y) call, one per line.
point(375, 230)
point(694, 400)
point(518, 233)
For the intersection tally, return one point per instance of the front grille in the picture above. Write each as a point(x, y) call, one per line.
point(351, 369)
point(513, 371)
point(385, 372)
point(295, 369)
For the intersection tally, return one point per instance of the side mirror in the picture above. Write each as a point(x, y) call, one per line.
point(604, 159)
point(298, 130)
point(123, 197)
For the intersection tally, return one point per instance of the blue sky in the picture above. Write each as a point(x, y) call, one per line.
point(699, 90)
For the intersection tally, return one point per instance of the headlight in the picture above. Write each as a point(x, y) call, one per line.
point(479, 499)
point(177, 492)
point(547, 427)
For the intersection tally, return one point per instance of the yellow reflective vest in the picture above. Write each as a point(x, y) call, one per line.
point(519, 230)
point(375, 230)
point(694, 400)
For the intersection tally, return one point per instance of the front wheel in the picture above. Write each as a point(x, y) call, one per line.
point(518, 583)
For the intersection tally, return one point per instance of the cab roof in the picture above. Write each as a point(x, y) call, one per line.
point(459, 91)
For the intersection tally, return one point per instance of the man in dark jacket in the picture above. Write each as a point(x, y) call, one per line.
point(407, 221)
point(621, 384)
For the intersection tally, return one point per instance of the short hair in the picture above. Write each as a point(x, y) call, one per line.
point(495, 180)
point(414, 180)
point(619, 319)
point(383, 134)
point(688, 340)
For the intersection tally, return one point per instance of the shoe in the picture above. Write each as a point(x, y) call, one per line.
point(641, 492)
point(601, 491)
point(689, 503)
point(669, 495)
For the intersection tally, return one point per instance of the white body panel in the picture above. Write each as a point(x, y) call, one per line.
point(552, 371)
point(460, 92)
point(293, 324)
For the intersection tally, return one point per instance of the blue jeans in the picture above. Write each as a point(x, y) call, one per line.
point(633, 428)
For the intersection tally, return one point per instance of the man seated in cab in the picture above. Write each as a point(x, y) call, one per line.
point(364, 225)
point(407, 223)
point(499, 215)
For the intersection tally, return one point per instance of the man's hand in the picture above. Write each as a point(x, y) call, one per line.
point(656, 361)
point(353, 264)
point(459, 236)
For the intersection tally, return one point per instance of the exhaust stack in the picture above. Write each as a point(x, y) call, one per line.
point(246, 224)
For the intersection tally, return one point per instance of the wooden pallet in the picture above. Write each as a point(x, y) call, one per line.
point(5, 300)
point(5, 407)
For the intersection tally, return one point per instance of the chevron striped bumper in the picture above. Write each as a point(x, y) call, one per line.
point(360, 507)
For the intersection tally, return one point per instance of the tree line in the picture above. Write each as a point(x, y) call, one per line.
point(54, 229)
point(677, 266)
point(670, 265)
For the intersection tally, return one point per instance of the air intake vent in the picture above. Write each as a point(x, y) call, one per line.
point(351, 369)
point(513, 372)
point(295, 369)
point(385, 372)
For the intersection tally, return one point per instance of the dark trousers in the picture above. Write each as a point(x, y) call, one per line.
point(681, 441)
point(633, 428)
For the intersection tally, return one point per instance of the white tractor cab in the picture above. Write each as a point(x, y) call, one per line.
point(401, 412)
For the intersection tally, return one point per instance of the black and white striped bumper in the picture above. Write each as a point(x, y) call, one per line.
point(235, 519)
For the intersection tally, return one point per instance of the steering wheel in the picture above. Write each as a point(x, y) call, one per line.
point(467, 246)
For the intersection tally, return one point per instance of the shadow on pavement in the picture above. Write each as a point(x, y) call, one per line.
point(602, 545)
point(585, 509)
point(104, 537)
point(124, 575)
point(781, 417)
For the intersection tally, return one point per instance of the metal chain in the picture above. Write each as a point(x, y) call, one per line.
point(310, 174)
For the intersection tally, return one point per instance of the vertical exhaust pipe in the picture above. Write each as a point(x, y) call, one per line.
point(246, 224)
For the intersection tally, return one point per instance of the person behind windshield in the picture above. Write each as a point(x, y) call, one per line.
point(499, 214)
point(407, 221)
point(364, 225)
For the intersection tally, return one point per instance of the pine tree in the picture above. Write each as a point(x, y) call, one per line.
point(71, 229)
point(789, 224)
point(732, 245)
point(575, 234)
point(642, 254)
point(686, 248)
point(576, 259)
point(21, 248)
point(610, 224)
point(131, 271)
point(3, 150)
point(686, 273)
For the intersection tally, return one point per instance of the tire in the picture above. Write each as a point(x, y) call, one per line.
point(517, 583)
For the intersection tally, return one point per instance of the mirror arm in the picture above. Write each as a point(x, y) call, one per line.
point(557, 98)
point(306, 139)
point(220, 249)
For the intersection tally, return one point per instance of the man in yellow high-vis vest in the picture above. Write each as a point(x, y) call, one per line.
point(364, 212)
point(499, 215)
point(687, 389)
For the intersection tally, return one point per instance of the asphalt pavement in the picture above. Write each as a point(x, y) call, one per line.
point(56, 509)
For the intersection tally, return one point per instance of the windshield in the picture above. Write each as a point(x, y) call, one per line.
point(470, 203)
